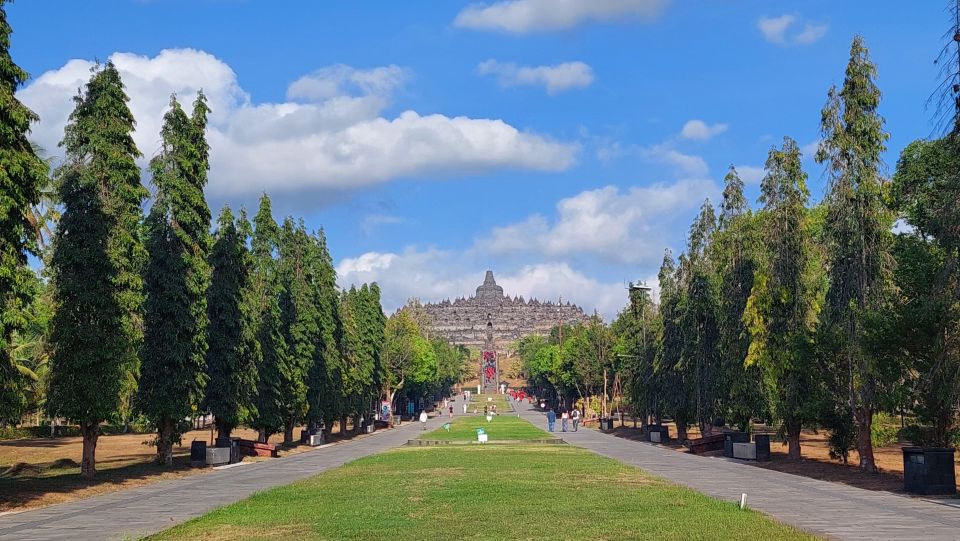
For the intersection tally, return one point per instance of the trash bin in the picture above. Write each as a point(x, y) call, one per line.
point(198, 454)
point(733, 437)
point(662, 433)
point(929, 470)
point(606, 423)
point(763, 446)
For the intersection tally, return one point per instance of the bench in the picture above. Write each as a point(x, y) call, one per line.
point(705, 444)
point(254, 448)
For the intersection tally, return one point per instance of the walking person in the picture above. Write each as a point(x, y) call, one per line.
point(575, 416)
point(464, 408)
point(423, 419)
point(451, 411)
point(563, 421)
point(551, 419)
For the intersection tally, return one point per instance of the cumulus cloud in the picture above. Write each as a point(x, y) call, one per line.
point(624, 227)
point(701, 131)
point(790, 30)
point(686, 164)
point(330, 134)
point(525, 16)
point(555, 79)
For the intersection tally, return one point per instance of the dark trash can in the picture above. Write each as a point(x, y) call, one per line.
point(733, 437)
point(662, 431)
point(929, 470)
point(762, 442)
point(198, 454)
point(234, 446)
point(606, 423)
point(304, 436)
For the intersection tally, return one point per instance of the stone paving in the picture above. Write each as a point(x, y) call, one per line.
point(832, 510)
point(136, 512)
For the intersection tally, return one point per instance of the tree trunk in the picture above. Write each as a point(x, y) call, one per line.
point(343, 425)
point(88, 465)
point(288, 431)
point(864, 419)
point(793, 441)
point(356, 423)
point(263, 436)
point(681, 429)
point(223, 430)
point(165, 441)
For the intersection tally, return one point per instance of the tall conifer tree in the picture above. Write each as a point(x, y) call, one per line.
point(265, 288)
point(97, 260)
point(320, 388)
point(234, 350)
point(859, 232)
point(177, 277)
point(782, 309)
point(677, 396)
point(299, 315)
point(22, 175)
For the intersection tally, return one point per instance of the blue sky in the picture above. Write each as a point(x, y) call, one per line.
point(562, 143)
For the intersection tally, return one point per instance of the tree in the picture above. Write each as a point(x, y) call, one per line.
point(733, 252)
point(22, 176)
point(267, 416)
point(782, 310)
point(669, 370)
point(320, 390)
point(858, 228)
point(299, 321)
point(399, 352)
point(97, 260)
point(698, 320)
point(172, 374)
point(234, 350)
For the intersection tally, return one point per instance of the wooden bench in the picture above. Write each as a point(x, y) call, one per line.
point(702, 445)
point(254, 448)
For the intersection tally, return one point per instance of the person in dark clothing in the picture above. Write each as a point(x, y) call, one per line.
point(551, 419)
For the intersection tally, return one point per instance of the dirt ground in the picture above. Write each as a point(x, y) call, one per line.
point(816, 462)
point(49, 471)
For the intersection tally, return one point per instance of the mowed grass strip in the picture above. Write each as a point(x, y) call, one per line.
point(478, 401)
point(482, 492)
point(501, 427)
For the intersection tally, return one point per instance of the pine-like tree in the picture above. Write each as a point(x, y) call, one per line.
point(22, 175)
point(677, 397)
point(177, 277)
point(97, 260)
point(234, 350)
point(859, 231)
point(320, 386)
point(734, 257)
point(781, 312)
point(265, 298)
point(299, 317)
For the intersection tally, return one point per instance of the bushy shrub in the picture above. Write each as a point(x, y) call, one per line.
point(884, 430)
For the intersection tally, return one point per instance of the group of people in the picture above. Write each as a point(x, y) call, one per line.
point(565, 418)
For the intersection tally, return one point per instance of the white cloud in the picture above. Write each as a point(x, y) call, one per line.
point(624, 227)
point(686, 164)
point(779, 30)
point(524, 16)
point(331, 134)
point(750, 174)
point(555, 79)
point(700, 130)
point(809, 150)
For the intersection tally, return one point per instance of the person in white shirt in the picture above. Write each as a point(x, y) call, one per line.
point(423, 419)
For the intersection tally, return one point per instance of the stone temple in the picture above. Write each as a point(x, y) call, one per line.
point(468, 321)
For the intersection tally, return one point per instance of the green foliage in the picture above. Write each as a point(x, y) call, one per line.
point(97, 255)
point(172, 374)
point(884, 430)
point(782, 310)
point(857, 231)
point(234, 351)
point(22, 176)
point(268, 415)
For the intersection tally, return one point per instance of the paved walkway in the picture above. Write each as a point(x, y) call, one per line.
point(830, 509)
point(136, 512)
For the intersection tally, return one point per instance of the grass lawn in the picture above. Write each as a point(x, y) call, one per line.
point(482, 492)
point(502, 427)
point(479, 400)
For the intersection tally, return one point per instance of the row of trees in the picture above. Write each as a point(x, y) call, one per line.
point(155, 316)
point(805, 315)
